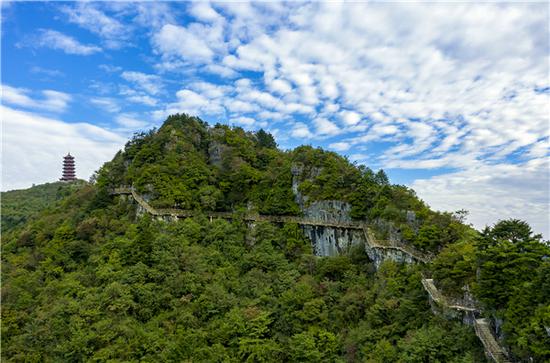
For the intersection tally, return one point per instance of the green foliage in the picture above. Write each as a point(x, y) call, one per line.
point(19, 206)
point(85, 279)
point(99, 285)
point(187, 164)
point(455, 267)
point(508, 269)
point(265, 139)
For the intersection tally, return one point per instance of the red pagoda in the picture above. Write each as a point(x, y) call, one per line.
point(68, 168)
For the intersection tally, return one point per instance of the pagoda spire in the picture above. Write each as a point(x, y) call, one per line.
point(68, 168)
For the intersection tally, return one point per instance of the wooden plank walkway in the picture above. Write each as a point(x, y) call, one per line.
point(444, 301)
point(369, 237)
point(184, 213)
point(493, 350)
point(489, 341)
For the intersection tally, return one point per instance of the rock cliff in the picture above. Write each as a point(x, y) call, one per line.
point(327, 241)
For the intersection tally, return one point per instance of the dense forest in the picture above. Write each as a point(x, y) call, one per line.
point(20, 205)
point(85, 277)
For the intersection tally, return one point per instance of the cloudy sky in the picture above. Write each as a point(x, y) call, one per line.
point(450, 99)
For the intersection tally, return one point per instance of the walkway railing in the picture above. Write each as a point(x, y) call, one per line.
point(481, 326)
point(407, 249)
point(445, 301)
point(369, 237)
point(492, 348)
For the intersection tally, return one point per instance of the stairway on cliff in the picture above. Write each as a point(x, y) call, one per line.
point(445, 301)
point(492, 348)
point(433, 291)
point(482, 327)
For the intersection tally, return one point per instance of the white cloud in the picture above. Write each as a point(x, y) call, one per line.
point(148, 82)
point(143, 100)
point(86, 15)
point(33, 148)
point(107, 104)
point(435, 85)
point(131, 122)
point(17, 96)
point(138, 97)
point(340, 146)
point(494, 192)
point(300, 130)
point(188, 43)
point(193, 102)
point(280, 86)
point(350, 118)
point(326, 127)
point(221, 70)
point(55, 40)
point(54, 101)
point(246, 121)
point(203, 11)
point(109, 68)
point(239, 106)
point(47, 73)
point(150, 15)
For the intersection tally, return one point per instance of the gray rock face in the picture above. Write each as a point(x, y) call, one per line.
point(334, 211)
point(215, 152)
point(330, 241)
point(392, 233)
point(327, 241)
point(216, 149)
point(379, 255)
point(498, 327)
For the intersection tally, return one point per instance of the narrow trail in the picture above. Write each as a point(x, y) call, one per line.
point(369, 237)
point(492, 348)
point(481, 326)
point(442, 300)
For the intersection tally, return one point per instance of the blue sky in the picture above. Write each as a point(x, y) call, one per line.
point(450, 99)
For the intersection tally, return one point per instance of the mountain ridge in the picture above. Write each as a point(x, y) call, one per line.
point(92, 278)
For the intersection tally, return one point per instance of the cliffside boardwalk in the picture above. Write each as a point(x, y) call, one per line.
point(442, 300)
point(492, 348)
point(369, 238)
point(481, 326)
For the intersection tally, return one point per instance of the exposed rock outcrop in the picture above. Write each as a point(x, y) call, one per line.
point(379, 255)
point(331, 241)
point(327, 224)
point(327, 241)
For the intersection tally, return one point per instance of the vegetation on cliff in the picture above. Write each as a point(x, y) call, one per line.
point(187, 164)
point(508, 270)
point(18, 206)
point(83, 284)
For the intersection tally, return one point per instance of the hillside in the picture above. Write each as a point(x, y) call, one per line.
point(188, 165)
point(96, 277)
point(18, 206)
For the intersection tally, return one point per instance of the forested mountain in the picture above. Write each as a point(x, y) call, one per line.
point(93, 278)
point(20, 205)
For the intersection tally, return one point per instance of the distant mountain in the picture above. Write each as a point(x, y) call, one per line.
point(18, 206)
